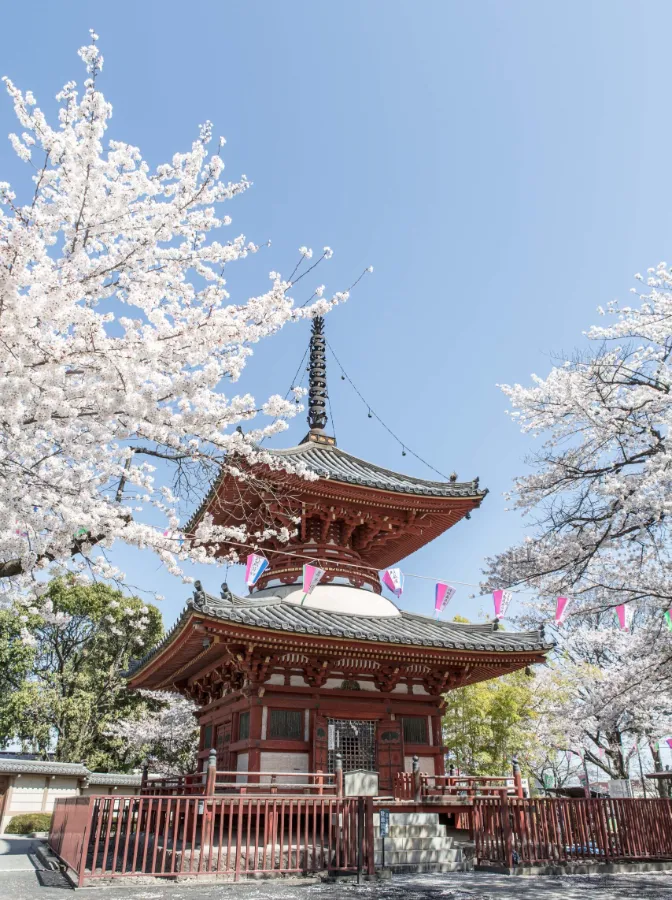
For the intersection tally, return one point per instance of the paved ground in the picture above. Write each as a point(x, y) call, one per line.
point(21, 879)
point(16, 855)
point(38, 885)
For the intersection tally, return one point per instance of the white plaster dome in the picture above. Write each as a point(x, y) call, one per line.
point(338, 598)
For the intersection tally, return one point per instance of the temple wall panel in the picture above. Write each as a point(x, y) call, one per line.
point(426, 764)
point(242, 765)
point(284, 761)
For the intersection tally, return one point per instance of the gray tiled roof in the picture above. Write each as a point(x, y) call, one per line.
point(111, 778)
point(39, 767)
point(19, 766)
point(407, 628)
point(331, 462)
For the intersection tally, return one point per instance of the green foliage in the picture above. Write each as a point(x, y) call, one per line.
point(83, 639)
point(486, 723)
point(27, 823)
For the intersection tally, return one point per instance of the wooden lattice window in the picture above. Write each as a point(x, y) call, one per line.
point(244, 726)
point(415, 730)
point(207, 738)
point(286, 723)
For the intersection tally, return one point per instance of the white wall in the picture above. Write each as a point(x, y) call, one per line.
point(277, 761)
point(426, 764)
point(242, 765)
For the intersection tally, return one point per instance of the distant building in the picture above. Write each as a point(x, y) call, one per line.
point(33, 785)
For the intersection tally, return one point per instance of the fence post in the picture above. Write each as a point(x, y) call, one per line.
point(370, 840)
point(506, 827)
point(416, 779)
point(360, 837)
point(517, 778)
point(339, 774)
point(211, 777)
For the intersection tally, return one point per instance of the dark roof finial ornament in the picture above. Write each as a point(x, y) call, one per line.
point(317, 385)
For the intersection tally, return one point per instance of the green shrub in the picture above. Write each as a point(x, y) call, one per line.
point(28, 822)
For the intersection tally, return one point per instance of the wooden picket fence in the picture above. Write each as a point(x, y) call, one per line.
point(171, 836)
point(514, 832)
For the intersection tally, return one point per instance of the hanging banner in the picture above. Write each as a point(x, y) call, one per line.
point(443, 594)
point(668, 741)
point(668, 619)
point(624, 616)
point(394, 580)
point(502, 600)
point(256, 565)
point(561, 607)
point(311, 578)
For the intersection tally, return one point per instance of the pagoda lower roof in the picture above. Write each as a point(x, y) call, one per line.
point(328, 461)
point(274, 615)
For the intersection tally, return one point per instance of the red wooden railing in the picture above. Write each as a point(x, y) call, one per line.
point(233, 837)
point(510, 831)
point(252, 782)
point(419, 786)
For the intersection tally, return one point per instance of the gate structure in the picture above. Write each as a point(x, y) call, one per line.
point(230, 836)
point(510, 831)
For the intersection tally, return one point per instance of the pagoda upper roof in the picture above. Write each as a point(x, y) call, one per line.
point(329, 461)
point(272, 614)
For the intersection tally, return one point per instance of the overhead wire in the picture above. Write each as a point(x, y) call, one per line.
point(374, 415)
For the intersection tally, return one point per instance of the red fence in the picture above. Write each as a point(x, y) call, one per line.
point(514, 832)
point(169, 836)
point(418, 785)
point(242, 782)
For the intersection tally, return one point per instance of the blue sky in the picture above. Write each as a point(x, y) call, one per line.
point(503, 166)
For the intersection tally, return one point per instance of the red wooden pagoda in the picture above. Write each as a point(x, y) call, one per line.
point(284, 685)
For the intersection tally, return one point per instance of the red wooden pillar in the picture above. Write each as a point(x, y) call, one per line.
point(437, 736)
point(254, 752)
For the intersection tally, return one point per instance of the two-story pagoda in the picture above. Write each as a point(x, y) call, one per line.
point(284, 684)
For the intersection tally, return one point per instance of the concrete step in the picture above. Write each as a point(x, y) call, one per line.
point(411, 868)
point(413, 857)
point(415, 843)
point(412, 818)
point(434, 830)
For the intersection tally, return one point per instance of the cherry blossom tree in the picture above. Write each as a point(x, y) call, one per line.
point(166, 737)
point(599, 500)
point(600, 491)
point(120, 343)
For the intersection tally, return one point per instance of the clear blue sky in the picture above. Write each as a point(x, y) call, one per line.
point(504, 166)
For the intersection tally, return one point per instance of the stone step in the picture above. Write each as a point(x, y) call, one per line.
point(414, 831)
point(413, 857)
point(415, 843)
point(411, 868)
point(412, 818)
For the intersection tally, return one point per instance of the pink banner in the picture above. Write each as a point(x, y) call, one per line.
point(311, 578)
point(394, 580)
point(624, 616)
point(443, 594)
point(501, 600)
point(255, 566)
point(668, 741)
point(561, 607)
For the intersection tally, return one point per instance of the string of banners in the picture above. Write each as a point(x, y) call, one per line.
point(393, 580)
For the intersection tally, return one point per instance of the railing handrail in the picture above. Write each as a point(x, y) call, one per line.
point(278, 774)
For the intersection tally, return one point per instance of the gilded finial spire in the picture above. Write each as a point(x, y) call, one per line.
point(317, 385)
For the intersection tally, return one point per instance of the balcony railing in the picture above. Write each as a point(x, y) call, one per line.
point(244, 782)
point(418, 786)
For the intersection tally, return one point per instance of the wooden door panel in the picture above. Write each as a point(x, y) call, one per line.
point(224, 762)
point(320, 744)
point(390, 752)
